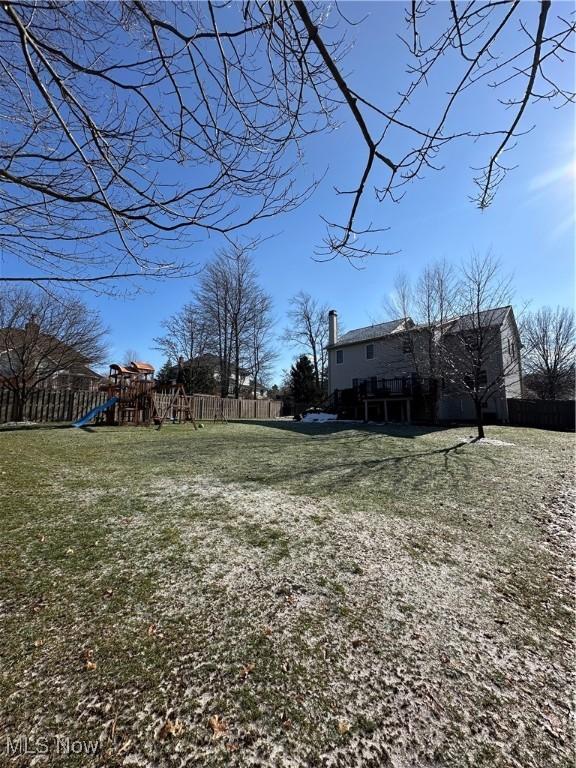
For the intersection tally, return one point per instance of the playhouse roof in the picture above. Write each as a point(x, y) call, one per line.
point(141, 367)
point(120, 369)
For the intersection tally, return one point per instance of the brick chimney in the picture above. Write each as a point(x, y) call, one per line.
point(332, 326)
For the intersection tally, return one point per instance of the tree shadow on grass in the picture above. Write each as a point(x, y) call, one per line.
point(347, 455)
point(319, 429)
point(353, 433)
point(402, 472)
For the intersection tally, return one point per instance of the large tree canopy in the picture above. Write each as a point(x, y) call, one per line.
point(126, 123)
point(229, 321)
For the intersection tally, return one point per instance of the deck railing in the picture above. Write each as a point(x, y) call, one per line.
point(400, 386)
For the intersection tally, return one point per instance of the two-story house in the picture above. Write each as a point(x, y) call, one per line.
point(32, 359)
point(400, 371)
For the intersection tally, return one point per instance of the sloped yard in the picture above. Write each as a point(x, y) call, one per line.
point(286, 595)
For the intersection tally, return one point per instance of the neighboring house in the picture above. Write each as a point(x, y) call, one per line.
point(381, 372)
point(246, 380)
point(50, 364)
point(211, 367)
point(78, 377)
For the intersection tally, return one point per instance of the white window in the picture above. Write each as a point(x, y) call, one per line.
point(339, 356)
point(369, 351)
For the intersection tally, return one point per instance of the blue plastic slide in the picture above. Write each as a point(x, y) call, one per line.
point(94, 412)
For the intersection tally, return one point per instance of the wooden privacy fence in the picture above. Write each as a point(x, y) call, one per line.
point(51, 405)
point(545, 414)
point(210, 407)
point(67, 405)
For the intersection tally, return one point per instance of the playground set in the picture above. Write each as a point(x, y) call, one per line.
point(134, 400)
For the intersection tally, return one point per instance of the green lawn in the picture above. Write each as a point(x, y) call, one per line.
point(286, 595)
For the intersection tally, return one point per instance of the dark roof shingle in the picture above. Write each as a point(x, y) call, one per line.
point(370, 332)
point(487, 318)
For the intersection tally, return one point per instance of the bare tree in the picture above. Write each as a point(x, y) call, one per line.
point(43, 336)
point(242, 321)
point(427, 307)
point(549, 337)
point(308, 332)
point(229, 318)
point(212, 299)
point(460, 332)
point(126, 124)
point(187, 337)
point(225, 301)
point(243, 307)
point(129, 356)
point(477, 363)
point(260, 350)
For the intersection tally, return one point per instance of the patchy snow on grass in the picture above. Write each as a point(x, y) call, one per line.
point(319, 417)
point(240, 624)
point(484, 441)
point(304, 615)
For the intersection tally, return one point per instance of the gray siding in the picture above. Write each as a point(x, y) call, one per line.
point(456, 404)
point(389, 361)
point(511, 362)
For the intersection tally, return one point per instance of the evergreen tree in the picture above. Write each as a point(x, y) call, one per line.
point(166, 375)
point(199, 379)
point(303, 381)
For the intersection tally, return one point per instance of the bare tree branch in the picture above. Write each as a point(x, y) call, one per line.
point(550, 352)
point(128, 129)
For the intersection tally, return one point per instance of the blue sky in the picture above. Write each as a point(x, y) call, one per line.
point(530, 225)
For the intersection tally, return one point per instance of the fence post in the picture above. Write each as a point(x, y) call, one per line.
point(71, 397)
